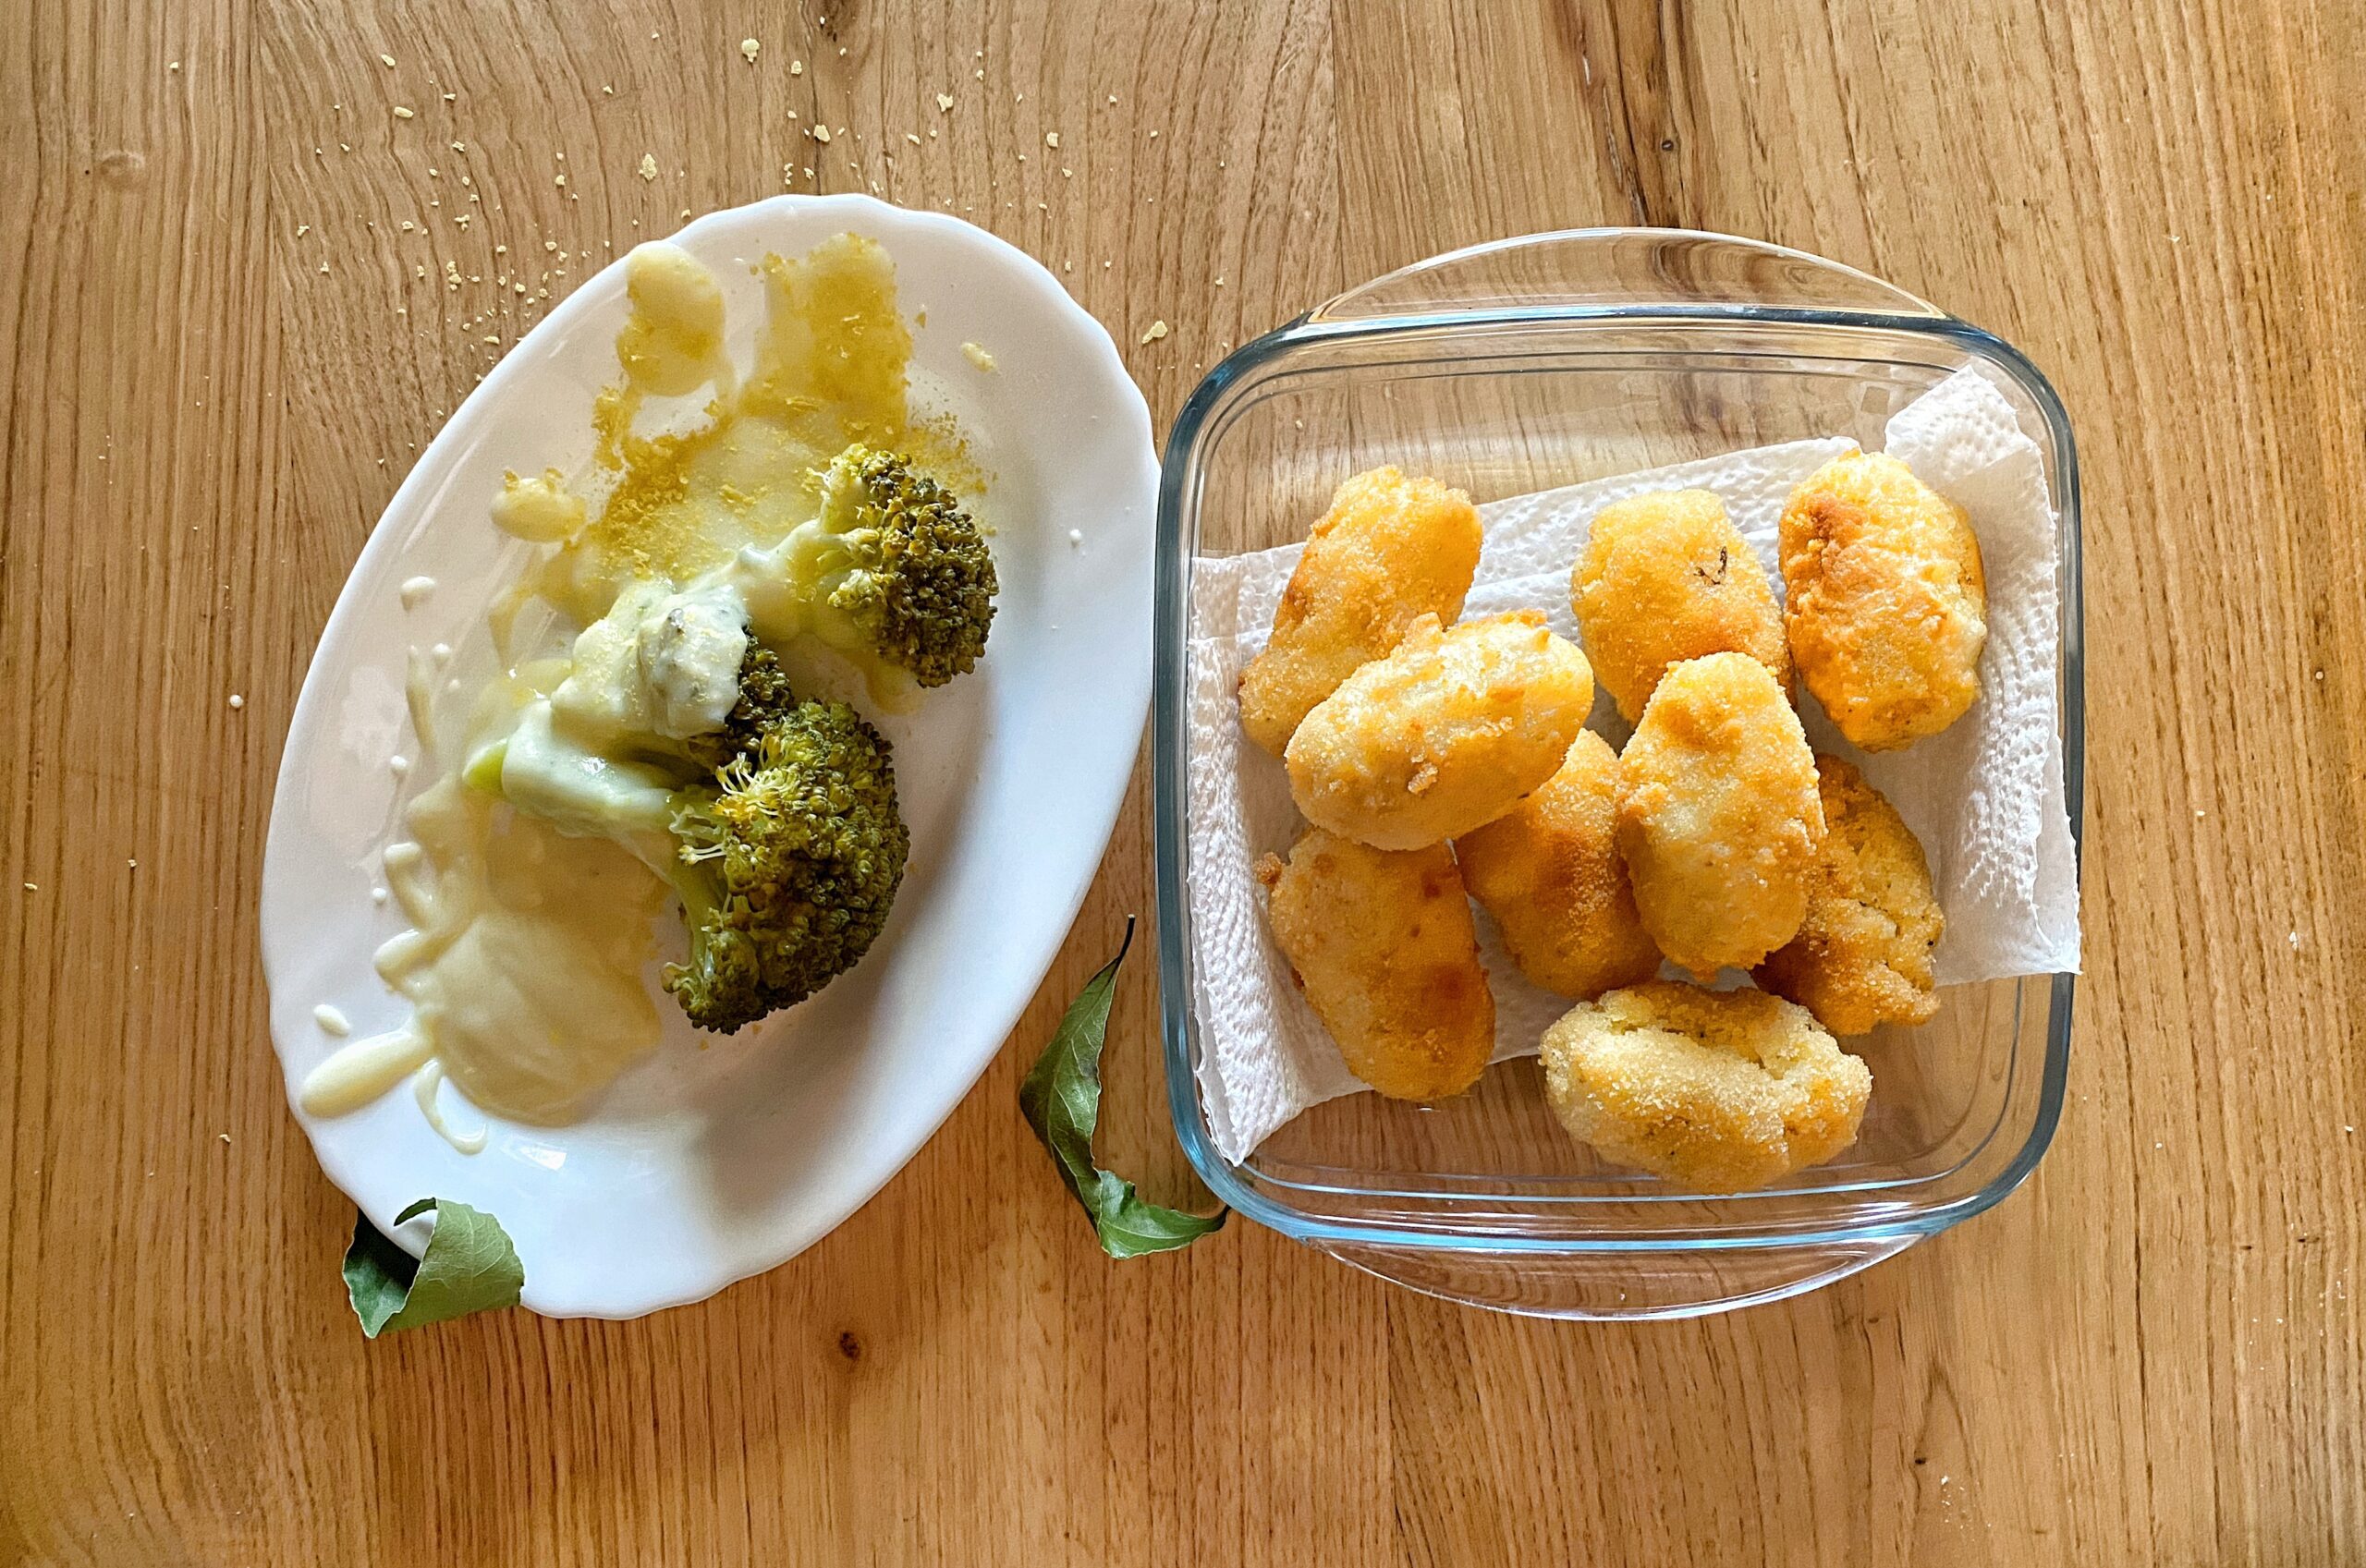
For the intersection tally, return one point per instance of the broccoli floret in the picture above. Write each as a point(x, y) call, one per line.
point(789, 862)
point(764, 700)
point(909, 567)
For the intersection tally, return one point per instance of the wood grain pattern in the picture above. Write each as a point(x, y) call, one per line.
point(2153, 1354)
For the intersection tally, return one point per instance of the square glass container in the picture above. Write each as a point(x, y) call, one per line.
point(1522, 366)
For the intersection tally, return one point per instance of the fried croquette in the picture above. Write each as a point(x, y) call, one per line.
point(1549, 872)
point(1390, 548)
point(1666, 577)
point(1721, 1091)
point(1863, 957)
point(1382, 943)
point(1887, 607)
point(1445, 733)
point(1718, 817)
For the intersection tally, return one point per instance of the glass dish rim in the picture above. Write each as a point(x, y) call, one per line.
point(1169, 786)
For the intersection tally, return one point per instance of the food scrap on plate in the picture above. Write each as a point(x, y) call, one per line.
point(665, 728)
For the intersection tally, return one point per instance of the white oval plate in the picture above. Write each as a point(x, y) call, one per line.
point(704, 1164)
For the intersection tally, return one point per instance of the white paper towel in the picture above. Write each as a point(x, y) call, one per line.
point(1986, 797)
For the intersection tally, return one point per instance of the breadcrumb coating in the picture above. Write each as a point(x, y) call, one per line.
point(1390, 548)
point(1665, 577)
point(1721, 1091)
point(1382, 943)
point(1887, 606)
point(1549, 872)
point(1445, 733)
point(1718, 816)
point(1863, 957)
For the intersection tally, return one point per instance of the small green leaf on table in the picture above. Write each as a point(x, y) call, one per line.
point(1061, 1100)
point(468, 1267)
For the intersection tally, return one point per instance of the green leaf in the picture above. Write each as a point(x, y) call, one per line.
point(1061, 1100)
point(470, 1267)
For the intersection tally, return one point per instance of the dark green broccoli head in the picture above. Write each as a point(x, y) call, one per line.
point(789, 862)
point(920, 581)
point(764, 700)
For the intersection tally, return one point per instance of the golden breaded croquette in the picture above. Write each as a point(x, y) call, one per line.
point(1721, 1091)
point(1666, 577)
point(1390, 548)
point(1443, 735)
point(1863, 957)
point(1549, 872)
point(1718, 817)
point(1887, 605)
point(1381, 942)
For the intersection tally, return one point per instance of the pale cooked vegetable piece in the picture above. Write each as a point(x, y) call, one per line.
point(1718, 817)
point(1721, 1091)
point(1549, 872)
point(1390, 548)
point(1382, 943)
point(1887, 605)
point(1665, 577)
point(1445, 733)
point(1863, 957)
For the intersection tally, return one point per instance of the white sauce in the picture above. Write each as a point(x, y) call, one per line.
point(414, 592)
point(332, 1020)
point(424, 1090)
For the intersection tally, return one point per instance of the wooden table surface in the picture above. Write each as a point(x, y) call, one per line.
point(224, 342)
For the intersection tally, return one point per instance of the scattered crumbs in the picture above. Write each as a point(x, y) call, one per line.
point(459, 146)
point(915, 140)
point(1076, 536)
point(748, 48)
point(550, 244)
point(1219, 283)
point(1052, 139)
point(649, 166)
point(324, 267)
point(238, 701)
point(1157, 330)
point(1112, 98)
point(441, 653)
point(608, 91)
point(980, 75)
point(559, 180)
point(451, 98)
point(943, 103)
point(32, 887)
point(387, 61)
point(377, 895)
point(1068, 174)
point(303, 229)
point(1154, 136)
point(133, 863)
point(332, 1020)
point(223, 1137)
point(822, 134)
point(173, 64)
point(797, 67)
point(402, 112)
point(976, 354)
point(406, 225)
point(399, 765)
